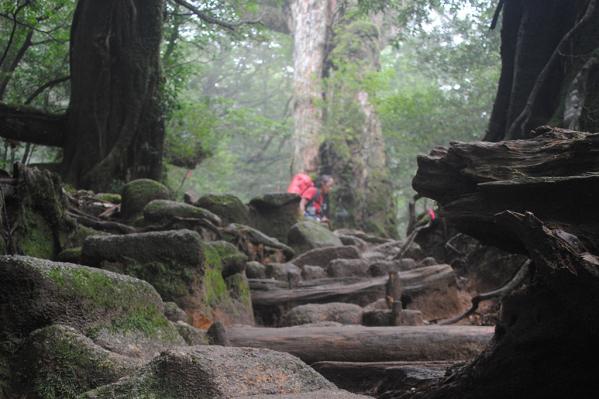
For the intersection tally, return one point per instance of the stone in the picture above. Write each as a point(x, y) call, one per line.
point(192, 336)
point(344, 313)
point(308, 235)
point(348, 268)
point(354, 241)
point(183, 269)
point(407, 317)
point(313, 272)
point(287, 272)
point(380, 304)
point(374, 256)
point(376, 318)
point(323, 256)
point(138, 193)
point(120, 313)
point(109, 197)
point(274, 214)
point(428, 261)
point(320, 394)
point(233, 260)
point(160, 211)
point(217, 372)
point(383, 267)
point(174, 313)
point(255, 270)
point(59, 362)
point(228, 207)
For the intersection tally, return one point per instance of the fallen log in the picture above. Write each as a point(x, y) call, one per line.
point(367, 344)
point(414, 281)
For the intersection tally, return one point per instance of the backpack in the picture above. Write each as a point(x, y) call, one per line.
point(300, 183)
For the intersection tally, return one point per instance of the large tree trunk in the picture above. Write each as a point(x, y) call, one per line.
point(354, 150)
point(115, 126)
point(536, 197)
point(545, 45)
point(311, 25)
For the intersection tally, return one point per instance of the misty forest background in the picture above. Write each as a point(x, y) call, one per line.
point(228, 88)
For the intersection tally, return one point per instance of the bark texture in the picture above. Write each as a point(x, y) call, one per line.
point(545, 48)
point(535, 197)
point(115, 127)
point(311, 25)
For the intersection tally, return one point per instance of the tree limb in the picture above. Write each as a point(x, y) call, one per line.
point(211, 19)
point(45, 86)
point(32, 126)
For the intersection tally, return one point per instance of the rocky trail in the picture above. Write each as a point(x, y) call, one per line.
point(133, 295)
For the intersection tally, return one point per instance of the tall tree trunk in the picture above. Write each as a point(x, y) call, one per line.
point(545, 44)
point(355, 150)
point(311, 23)
point(115, 129)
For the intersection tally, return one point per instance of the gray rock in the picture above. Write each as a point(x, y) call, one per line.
point(308, 235)
point(344, 313)
point(313, 272)
point(174, 313)
point(284, 272)
point(217, 372)
point(228, 207)
point(320, 394)
point(255, 270)
point(377, 318)
point(192, 336)
point(354, 241)
point(379, 304)
point(374, 256)
point(59, 362)
point(323, 256)
point(348, 268)
point(274, 214)
point(138, 193)
point(97, 303)
point(407, 317)
point(428, 261)
point(157, 211)
point(383, 267)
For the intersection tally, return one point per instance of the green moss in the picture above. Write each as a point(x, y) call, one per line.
point(239, 288)
point(215, 289)
point(136, 194)
point(172, 281)
point(38, 240)
point(109, 197)
point(98, 291)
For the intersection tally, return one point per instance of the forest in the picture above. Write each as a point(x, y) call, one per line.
point(299, 199)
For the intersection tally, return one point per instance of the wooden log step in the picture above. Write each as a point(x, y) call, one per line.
point(367, 344)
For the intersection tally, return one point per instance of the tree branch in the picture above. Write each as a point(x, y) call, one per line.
point(45, 86)
point(32, 126)
point(211, 19)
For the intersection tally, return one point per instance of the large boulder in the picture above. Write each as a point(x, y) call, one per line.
point(228, 207)
point(344, 313)
point(274, 214)
point(323, 256)
point(233, 260)
point(308, 235)
point(35, 293)
point(60, 362)
point(138, 193)
point(287, 272)
point(160, 211)
point(217, 372)
point(183, 269)
point(348, 268)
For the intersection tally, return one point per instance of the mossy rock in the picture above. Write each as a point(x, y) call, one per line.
point(37, 293)
point(138, 193)
point(308, 235)
point(109, 197)
point(233, 261)
point(274, 214)
point(38, 241)
point(192, 336)
point(59, 362)
point(158, 211)
point(228, 207)
point(70, 255)
point(217, 372)
point(183, 269)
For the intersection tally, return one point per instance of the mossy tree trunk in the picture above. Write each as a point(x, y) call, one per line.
point(114, 128)
point(550, 68)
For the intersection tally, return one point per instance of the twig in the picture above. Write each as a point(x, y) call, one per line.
point(498, 293)
point(410, 240)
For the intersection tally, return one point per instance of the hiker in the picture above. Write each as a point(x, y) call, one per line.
point(314, 202)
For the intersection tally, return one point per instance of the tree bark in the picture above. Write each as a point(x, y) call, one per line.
point(311, 25)
point(536, 197)
point(367, 344)
point(115, 126)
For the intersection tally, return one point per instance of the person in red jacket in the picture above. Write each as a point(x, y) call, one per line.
point(314, 203)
